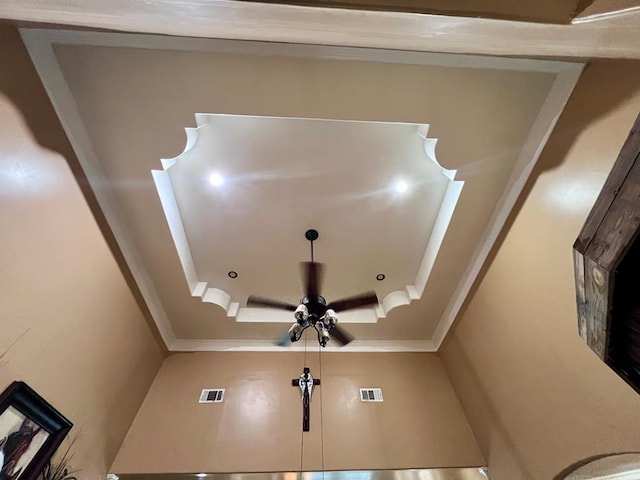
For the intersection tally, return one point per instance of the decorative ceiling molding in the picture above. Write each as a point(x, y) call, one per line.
point(218, 296)
point(231, 19)
point(527, 159)
point(40, 45)
point(292, 50)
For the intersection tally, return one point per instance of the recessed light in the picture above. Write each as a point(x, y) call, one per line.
point(201, 475)
point(401, 186)
point(380, 277)
point(216, 179)
point(232, 274)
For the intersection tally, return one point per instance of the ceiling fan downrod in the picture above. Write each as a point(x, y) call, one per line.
point(311, 235)
point(313, 310)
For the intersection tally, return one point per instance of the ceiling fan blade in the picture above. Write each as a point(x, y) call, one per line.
point(363, 300)
point(312, 273)
point(254, 301)
point(284, 340)
point(340, 336)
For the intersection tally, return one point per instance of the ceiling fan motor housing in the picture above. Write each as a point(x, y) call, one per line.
point(311, 235)
point(316, 305)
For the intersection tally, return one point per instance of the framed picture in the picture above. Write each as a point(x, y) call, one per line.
point(30, 432)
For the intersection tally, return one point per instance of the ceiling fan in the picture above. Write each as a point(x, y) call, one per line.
point(313, 310)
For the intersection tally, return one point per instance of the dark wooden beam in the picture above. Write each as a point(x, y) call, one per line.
point(607, 267)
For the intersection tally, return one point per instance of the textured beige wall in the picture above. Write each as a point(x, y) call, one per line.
point(70, 326)
point(259, 425)
point(536, 397)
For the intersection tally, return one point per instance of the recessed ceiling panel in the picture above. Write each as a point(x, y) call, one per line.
point(302, 137)
point(240, 197)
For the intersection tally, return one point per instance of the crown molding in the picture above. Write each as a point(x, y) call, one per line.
point(229, 19)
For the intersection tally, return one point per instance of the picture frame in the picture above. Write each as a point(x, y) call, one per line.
point(31, 430)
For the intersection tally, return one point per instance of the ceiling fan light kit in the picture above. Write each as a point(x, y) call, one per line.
point(313, 310)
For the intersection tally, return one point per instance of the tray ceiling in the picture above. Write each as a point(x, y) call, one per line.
point(305, 137)
point(237, 197)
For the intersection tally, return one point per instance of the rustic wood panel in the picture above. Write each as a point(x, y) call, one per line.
point(611, 187)
point(581, 296)
point(606, 261)
point(597, 307)
point(619, 226)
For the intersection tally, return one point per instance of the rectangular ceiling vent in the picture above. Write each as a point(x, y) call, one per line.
point(211, 395)
point(371, 395)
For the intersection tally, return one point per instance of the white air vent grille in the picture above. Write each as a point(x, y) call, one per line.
point(210, 395)
point(371, 395)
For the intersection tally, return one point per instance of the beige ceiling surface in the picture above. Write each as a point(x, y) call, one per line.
point(134, 104)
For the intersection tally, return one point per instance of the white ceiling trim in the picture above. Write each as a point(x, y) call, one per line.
point(40, 46)
point(324, 52)
point(543, 126)
point(596, 17)
point(218, 296)
point(46, 64)
point(600, 10)
point(267, 346)
point(326, 26)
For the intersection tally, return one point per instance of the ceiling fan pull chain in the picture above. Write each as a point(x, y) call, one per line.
point(321, 417)
point(304, 332)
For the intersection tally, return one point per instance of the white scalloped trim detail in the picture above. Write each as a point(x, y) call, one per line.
point(223, 299)
point(448, 206)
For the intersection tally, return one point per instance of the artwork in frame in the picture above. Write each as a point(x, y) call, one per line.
point(31, 430)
